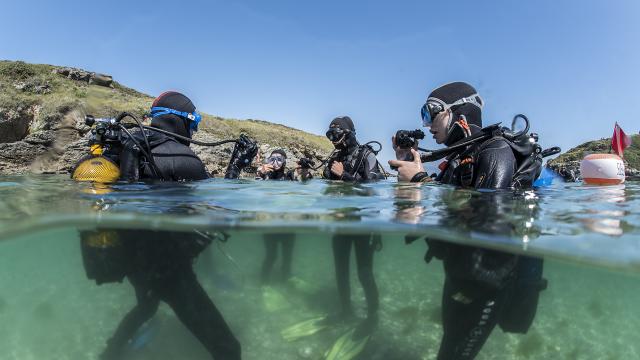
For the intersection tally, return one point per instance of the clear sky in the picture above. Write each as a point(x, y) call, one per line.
point(571, 66)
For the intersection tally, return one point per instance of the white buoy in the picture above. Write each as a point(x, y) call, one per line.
point(602, 169)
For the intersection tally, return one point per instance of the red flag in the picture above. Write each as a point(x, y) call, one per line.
point(620, 140)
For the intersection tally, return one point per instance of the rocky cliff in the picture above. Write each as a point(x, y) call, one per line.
point(42, 130)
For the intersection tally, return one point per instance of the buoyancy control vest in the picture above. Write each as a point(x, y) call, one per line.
point(359, 164)
point(460, 161)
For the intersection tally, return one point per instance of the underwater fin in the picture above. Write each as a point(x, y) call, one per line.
point(305, 328)
point(273, 299)
point(143, 335)
point(348, 346)
point(302, 286)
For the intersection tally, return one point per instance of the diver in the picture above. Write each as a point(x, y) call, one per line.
point(353, 162)
point(160, 265)
point(275, 168)
point(483, 288)
point(350, 161)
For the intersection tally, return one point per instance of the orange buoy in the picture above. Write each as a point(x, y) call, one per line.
point(602, 169)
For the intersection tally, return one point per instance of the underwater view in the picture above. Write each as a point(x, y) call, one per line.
point(271, 253)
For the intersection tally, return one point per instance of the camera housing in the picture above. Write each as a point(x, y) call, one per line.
point(406, 139)
point(306, 163)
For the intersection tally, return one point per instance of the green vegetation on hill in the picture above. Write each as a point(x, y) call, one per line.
point(23, 85)
point(631, 154)
point(42, 108)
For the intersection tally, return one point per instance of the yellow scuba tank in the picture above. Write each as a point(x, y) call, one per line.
point(104, 256)
point(96, 168)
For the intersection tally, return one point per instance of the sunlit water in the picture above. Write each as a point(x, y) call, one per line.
point(589, 237)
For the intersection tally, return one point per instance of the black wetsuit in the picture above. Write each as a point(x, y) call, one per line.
point(360, 164)
point(271, 241)
point(479, 283)
point(161, 265)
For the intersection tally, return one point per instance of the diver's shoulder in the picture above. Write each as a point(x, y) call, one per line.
point(496, 147)
point(495, 143)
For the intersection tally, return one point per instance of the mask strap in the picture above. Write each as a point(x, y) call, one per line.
point(195, 118)
point(474, 99)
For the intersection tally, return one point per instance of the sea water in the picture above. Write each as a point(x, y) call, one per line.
point(588, 236)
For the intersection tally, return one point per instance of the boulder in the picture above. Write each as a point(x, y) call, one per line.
point(79, 75)
point(74, 74)
point(34, 86)
point(101, 80)
point(85, 76)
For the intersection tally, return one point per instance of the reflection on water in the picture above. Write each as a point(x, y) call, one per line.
point(316, 270)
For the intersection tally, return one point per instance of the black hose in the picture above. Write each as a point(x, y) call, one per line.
point(154, 168)
point(326, 160)
point(509, 135)
point(146, 140)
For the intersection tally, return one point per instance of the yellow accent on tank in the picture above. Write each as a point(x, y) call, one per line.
point(102, 239)
point(97, 169)
point(96, 150)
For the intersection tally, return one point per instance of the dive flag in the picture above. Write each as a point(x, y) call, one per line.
point(620, 140)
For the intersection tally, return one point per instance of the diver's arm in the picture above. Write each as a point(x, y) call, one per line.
point(327, 174)
point(495, 166)
point(243, 153)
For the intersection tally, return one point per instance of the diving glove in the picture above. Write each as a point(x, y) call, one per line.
point(243, 153)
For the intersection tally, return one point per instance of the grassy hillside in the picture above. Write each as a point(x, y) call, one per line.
point(65, 94)
point(36, 103)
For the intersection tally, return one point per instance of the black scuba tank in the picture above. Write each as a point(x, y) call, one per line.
point(518, 314)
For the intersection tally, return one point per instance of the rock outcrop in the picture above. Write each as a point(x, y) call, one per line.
point(85, 76)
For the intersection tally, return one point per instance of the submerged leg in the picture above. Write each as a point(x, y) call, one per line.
point(364, 259)
point(271, 254)
point(341, 254)
point(288, 241)
point(469, 313)
point(191, 304)
point(146, 307)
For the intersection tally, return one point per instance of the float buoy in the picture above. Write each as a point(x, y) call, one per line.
point(602, 169)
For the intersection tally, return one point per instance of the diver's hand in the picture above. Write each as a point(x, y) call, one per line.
point(248, 149)
point(337, 168)
point(408, 169)
point(264, 169)
point(401, 154)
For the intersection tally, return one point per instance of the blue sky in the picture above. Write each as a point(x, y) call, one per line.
point(571, 66)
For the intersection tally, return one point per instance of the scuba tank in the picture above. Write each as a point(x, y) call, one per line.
point(96, 167)
point(517, 316)
point(104, 256)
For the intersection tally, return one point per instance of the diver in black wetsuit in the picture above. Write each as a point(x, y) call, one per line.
point(353, 162)
point(482, 287)
point(160, 265)
point(275, 169)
